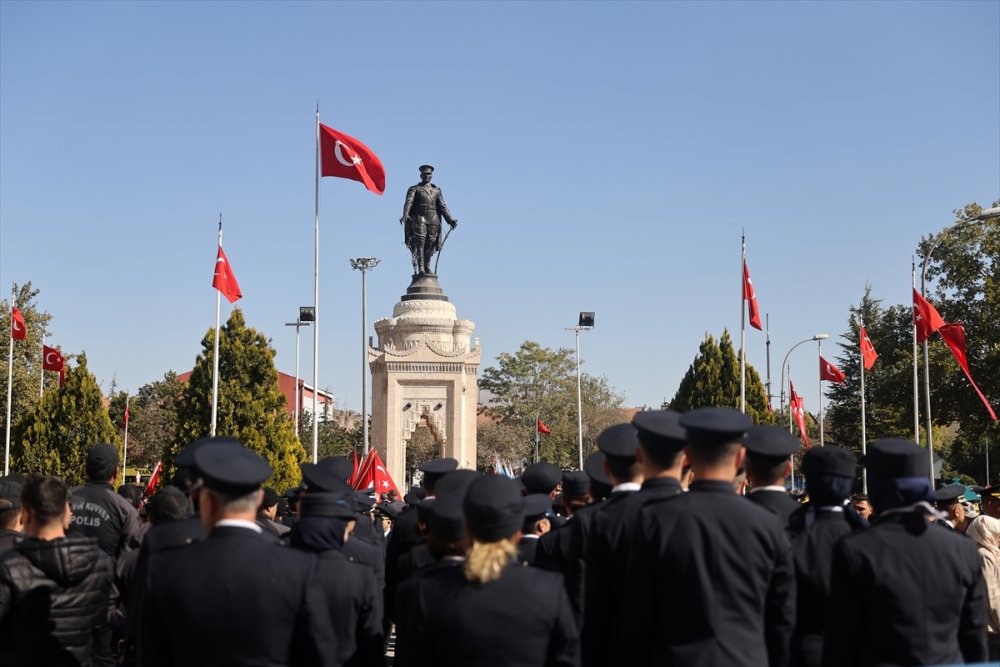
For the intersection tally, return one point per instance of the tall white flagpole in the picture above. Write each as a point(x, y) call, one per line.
point(10, 381)
point(819, 352)
point(215, 359)
point(315, 324)
point(41, 372)
point(864, 436)
point(743, 330)
point(125, 454)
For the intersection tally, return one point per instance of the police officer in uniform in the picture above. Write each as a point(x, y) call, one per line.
point(710, 575)
point(535, 526)
point(767, 465)
point(907, 591)
point(814, 528)
point(237, 597)
point(422, 214)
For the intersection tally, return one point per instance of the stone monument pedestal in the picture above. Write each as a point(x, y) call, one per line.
point(424, 369)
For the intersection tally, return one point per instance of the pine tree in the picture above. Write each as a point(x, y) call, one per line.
point(55, 438)
point(713, 379)
point(251, 404)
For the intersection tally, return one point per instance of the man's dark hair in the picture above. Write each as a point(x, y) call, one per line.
point(710, 455)
point(8, 514)
point(765, 468)
point(661, 457)
point(621, 467)
point(46, 496)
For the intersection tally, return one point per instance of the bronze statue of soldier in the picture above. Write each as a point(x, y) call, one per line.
point(422, 214)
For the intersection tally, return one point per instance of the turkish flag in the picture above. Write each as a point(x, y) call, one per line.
point(52, 360)
point(225, 280)
point(829, 372)
point(751, 298)
point(17, 330)
point(125, 418)
point(798, 408)
point(868, 353)
point(362, 476)
point(376, 476)
point(542, 428)
point(925, 317)
point(154, 479)
point(346, 157)
point(354, 472)
point(954, 337)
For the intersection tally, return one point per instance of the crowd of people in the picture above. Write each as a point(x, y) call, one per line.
point(678, 544)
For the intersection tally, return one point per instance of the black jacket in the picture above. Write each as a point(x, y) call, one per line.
point(100, 512)
point(776, 502)
point(355, 607)
point(52, 594)
point(906, 592)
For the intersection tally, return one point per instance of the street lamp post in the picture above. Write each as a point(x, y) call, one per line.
point(585, 323)
point(364, 265)
point(987, 214)
point(299, 322)
point(784, 366)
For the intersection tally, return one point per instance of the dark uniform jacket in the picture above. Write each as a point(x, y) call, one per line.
point(52, 594)
point(409, 623)
point(527, 549)
point(8, 538)
point(522, 619)
point(236, 598)
point(100, 512)
point(776, 502)
point(710, 582)
point(562, 550)
point(812, 554)
point(355, 606)
point(404, 536)
point(906, 592)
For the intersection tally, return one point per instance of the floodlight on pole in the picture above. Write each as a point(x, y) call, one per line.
point(301, 321)
point(585, 323)
point(364, 265)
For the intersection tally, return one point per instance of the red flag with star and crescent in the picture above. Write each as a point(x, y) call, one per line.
point(798, 407)
point(343, 156)
point(954, 337)
point(376, 476)
point(750, 296)
point(52, 360)
point(224, 279)
point(868, 353)
point(829, 372)
point(17, 329)
point(925, 317)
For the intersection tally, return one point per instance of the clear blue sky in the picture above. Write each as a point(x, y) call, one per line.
point(599, 156)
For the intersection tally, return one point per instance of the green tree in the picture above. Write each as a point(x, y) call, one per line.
point(540, 382)
point(55, 437)
point(251, 404)
point(152, 418)
point(27, 354)
point(332, 438)
point(714, 379)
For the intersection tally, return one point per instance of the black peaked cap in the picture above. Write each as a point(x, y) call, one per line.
point(949, 495)
point(660, 429)
point(327, 504)
point(437, 468)
point(715, 426)
point(185, 457)
point(338, 465)
point(774, 442)
point(619, 440)
point(231, 468)
point(446, 518)
point(536, 505)
point(575, 484)
point(896, 457)
point(316, 478)
point(594, 467)
point(541, 477)
point(494, 508)
point(830, 460)
point(456, 481)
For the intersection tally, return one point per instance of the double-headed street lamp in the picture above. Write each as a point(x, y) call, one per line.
point(585, 323)
point(784, 365)
point(364, 265)
point(306, 316)
point(986, 214)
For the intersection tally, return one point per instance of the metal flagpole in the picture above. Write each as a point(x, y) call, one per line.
point(767, 326)
point(916, 381)
point(579, 403)
point(215, 360)
point(125, 453)
point(538, 418)
point(10, 380)
point(927, 391)
point(819, 352)
point(41, 371)
point(315, 324)
point(864, 437)
point(743, 330)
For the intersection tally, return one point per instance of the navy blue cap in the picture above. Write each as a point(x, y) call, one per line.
point(536, 505)
point(541, 477)
point(494, 508)
point(766, 441)
point(319, 478)
point(896, 457)
point(292, 493)
point(270, 497)
point(575, 484)
point(446, 518)
point(949, 495)
point(362, 502)
point(166, 505)
point(391, 510)
point(456, 481)
point(415, 495)
point(594, 467)
point(10, 490)
point(715, 426)
point(327, 504)
point(435, 469)
point(337, 465)
point(620, 441)
point(231, 468)
point(185, 457)
point(660, 429)
point(829, 460)
point(102, 461)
